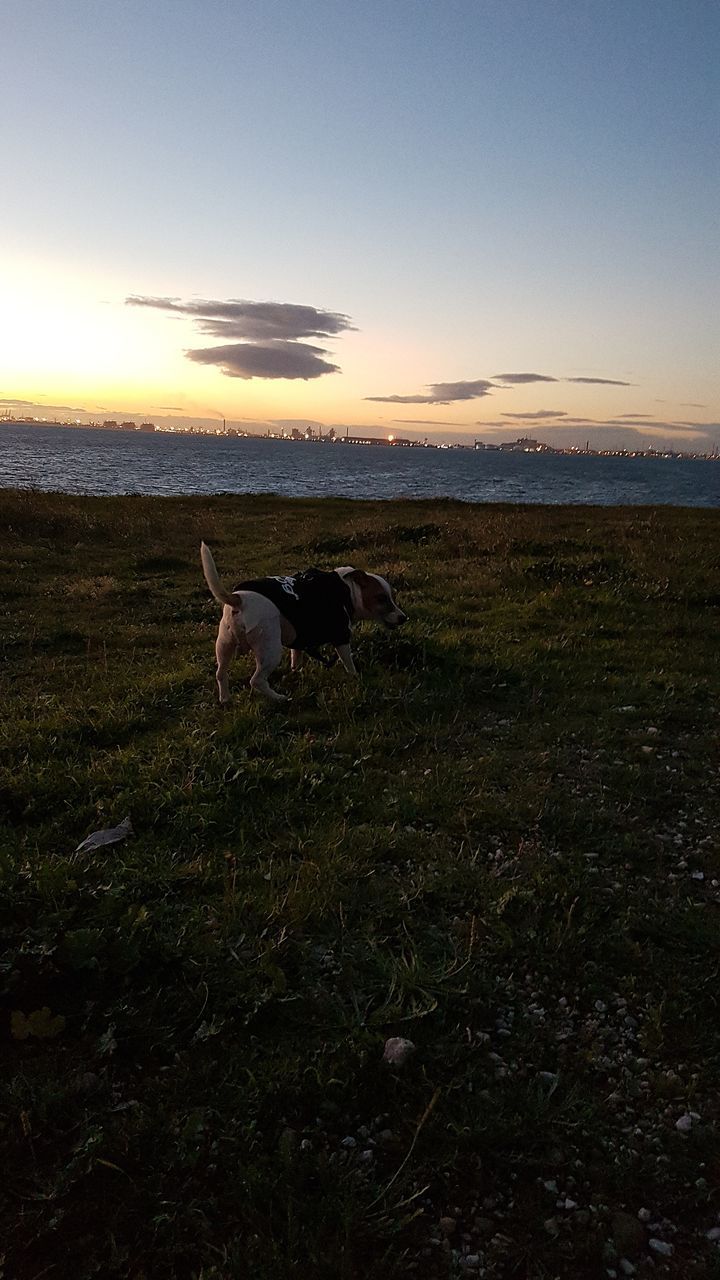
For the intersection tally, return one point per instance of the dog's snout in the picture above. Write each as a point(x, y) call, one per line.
point(397, 618)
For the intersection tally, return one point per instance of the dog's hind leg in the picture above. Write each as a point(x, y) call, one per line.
point(225, 649)
point(266, 645)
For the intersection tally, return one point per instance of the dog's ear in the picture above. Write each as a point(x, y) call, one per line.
point(362, 578)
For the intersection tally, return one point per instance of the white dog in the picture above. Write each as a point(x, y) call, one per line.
point(301, 612)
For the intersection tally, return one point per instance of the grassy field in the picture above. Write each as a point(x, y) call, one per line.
point(500, 843)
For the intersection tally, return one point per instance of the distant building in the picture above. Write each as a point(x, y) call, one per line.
point(526, 444)
point(127, 426)
point(146, 426)
point(110, 424)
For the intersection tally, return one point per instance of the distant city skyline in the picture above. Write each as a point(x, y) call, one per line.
point(615, 438)
point(467, 220)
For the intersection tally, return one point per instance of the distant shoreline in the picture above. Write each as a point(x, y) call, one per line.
point(525, 445)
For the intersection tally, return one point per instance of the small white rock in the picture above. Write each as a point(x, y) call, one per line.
point(397, 1051)
point(662, 1247)
point(627, 1267)
point(684, 1124)
point(713, 1234)
point(644, 1215)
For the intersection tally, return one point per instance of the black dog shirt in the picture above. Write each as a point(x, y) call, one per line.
point(317, 604)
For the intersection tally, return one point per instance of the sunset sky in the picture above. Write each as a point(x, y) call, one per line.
point(474, 217)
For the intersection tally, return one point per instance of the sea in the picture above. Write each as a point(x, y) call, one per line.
point(90, 461)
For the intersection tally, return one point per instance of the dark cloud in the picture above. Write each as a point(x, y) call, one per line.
point(519, 378)
point(161, 304)
point(690, 404)
point(605, 382)
point(442, 393)
point(405, 400)
point(19, 404)
point(265, 360)
point(256, 321)
point(449, 392)
point(428, 422)
point(523, 377)
point(539, 413)
point(270, 333)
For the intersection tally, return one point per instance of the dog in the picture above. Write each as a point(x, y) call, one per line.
point(301, 612)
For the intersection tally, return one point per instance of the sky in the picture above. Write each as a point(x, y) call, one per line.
point(459, 218)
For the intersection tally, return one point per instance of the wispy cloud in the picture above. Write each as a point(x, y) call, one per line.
point(450, 392)
point(12, 403)
point(604, 382)
point(442, 393)
point(637, 422)
point(537, 415)
point(519, 378)
point(271, 333)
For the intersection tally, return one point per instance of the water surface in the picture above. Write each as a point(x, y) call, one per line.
point(89, 461)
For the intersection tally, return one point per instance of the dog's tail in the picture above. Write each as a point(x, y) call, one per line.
point(213, 580)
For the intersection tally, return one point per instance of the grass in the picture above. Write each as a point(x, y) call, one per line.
point(490, 844)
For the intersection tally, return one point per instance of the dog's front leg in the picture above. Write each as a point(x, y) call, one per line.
point(345, 656)
point(296, 659)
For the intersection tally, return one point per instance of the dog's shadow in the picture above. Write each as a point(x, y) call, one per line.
point(401, 669)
